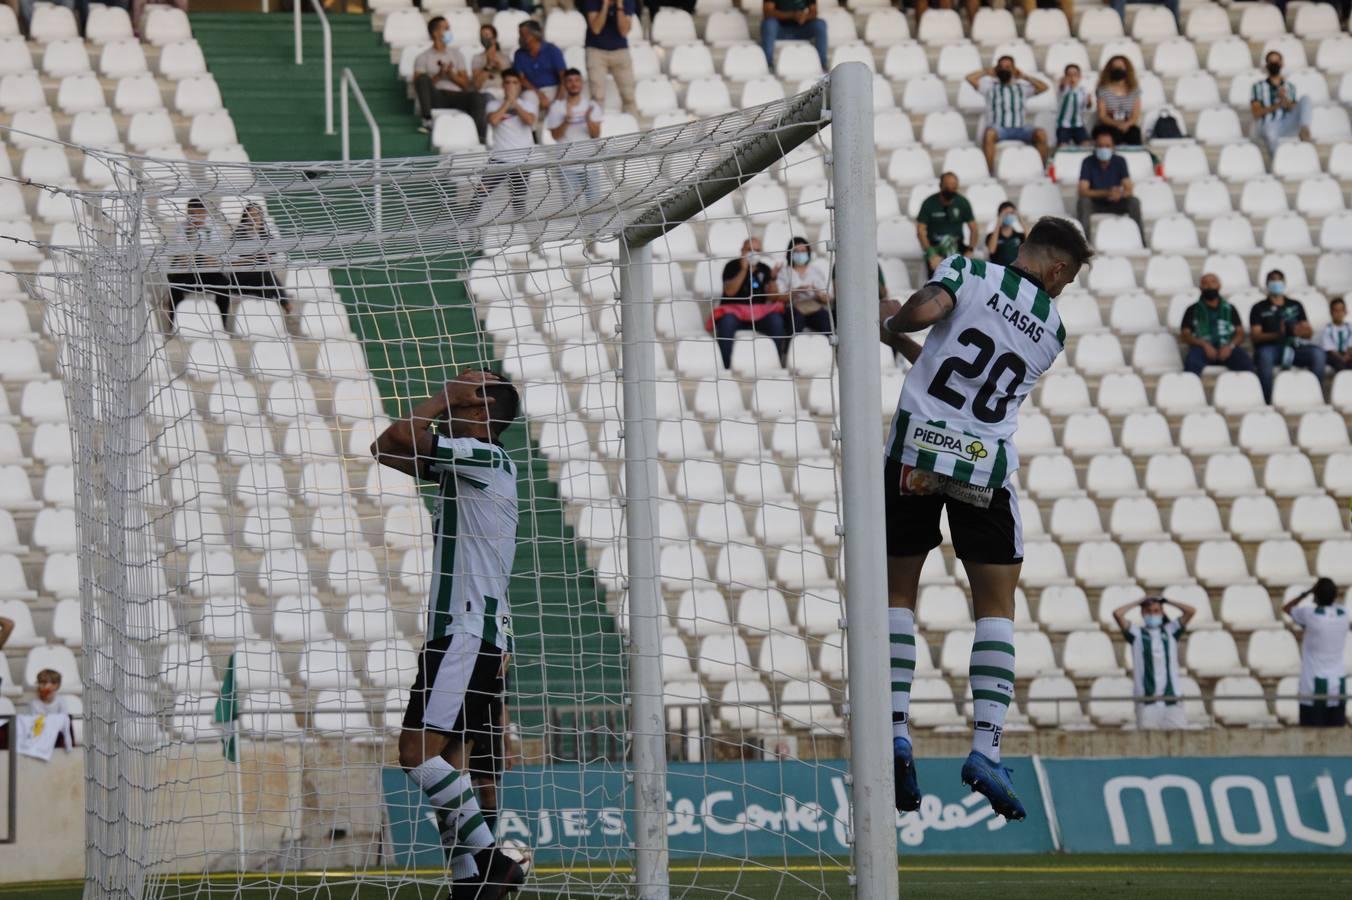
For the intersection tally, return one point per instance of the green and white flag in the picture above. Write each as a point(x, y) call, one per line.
point(227, 714)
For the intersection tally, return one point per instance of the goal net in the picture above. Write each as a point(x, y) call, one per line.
point(254, 587)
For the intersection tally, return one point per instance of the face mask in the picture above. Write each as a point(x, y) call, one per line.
point(1154, 621)
point(947, 195)
point(1011, 220)
point(1117, 73)
point(1274, 68)
point(446, 36)
point(1277, 288)
point(1211, 294)
point(1103, 154)
point(800, 258)
point(486, 41)
point(1004, 75)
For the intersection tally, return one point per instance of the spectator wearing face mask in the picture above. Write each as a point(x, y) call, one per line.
point(1277, 111)
point(442, 80)
point(751, 300)
point(489, 65)
point(1154, 654)
point(1336, 338)
point(809, 292)
point(1119, 102)
point(1005, 90)
point(1105, 186)
point(1282, 335)
point(1002, 243)
point(1323, 672)
point(943, 219)
point(1213, 332)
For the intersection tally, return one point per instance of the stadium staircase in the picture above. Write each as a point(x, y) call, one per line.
point(568, 649)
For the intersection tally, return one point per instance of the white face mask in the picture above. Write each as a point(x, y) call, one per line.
point(1154, 621)
point(801, 259)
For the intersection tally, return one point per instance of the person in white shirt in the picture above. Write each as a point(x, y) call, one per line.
point(49, 701)
point(1323, 672)
point(513, 120)
point(1154, 662)
point(1336, 337)
point(576, 117)
point(442, 80)
point(809, 290)
point(195, 271)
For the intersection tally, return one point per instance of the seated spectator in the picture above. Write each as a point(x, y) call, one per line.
point(1336, 338)
point(1213, 332)
point(1171, 5)
point(942, 219)
point(607, 43)
point(1154, 654)
point(1277, 111)
point(810, 301)
point(1105, 186)
point(513, 120)
point(751, 299)
point(1119, 102)
point(442, 80)
point(1006, 89)
point(791, 20)
point(488, 66)
point(1282, 334)
point(1003, 241)
point(1074, 103)
point(258, 280)
point(48, 700)
point(196, 272)
point(575, 117)
point(539, 63)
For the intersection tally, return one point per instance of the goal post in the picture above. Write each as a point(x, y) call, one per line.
point(682, 603)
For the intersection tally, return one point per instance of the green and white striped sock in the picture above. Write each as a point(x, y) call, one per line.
point(901, 628)
point(463, 829)
point(992, 676)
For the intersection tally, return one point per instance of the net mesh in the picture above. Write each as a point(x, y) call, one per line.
point(233, 337)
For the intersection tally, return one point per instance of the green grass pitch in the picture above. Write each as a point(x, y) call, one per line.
point(1006, 878)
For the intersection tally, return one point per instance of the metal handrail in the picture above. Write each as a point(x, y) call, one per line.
point(328, 57)
point(346, 79)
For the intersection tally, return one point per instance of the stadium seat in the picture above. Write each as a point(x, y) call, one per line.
point(1239, 700)
point(1135, 519)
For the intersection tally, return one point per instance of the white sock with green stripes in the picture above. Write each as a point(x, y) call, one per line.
point(463, 830)
point(992, 676)
point(901, 628)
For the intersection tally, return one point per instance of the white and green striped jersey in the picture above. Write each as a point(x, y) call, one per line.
point(1322, 669)
point(1269, 94)
point(959, 405)
point(1071, 107)
point(1154, 660)
point(475, 541)
point(1004, 102)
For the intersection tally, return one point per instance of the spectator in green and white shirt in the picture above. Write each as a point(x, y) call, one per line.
point(1336, 338)
point(1277, 111)
point(1154, 662)
point(1006, 89)
point(1074, 103)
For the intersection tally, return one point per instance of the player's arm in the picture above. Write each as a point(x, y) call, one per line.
point(927, 306)
point(907, 346)
point(410, 445)
point(1187, 611)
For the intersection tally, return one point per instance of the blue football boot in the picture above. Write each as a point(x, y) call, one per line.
point(994, 782)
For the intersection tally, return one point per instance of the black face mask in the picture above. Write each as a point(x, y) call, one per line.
point(1004, 75)
point(487, 42)
point(1117, 73)
point(1211, 294)
point(1274, 68)
point(947, 195)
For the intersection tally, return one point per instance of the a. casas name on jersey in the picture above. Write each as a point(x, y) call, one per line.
point(1021, 320)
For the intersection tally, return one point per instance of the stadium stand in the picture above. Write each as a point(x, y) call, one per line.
point(1138, 477)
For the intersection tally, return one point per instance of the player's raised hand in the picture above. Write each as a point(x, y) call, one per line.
point(465, 388)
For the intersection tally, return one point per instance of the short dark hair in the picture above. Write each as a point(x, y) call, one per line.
point(432, 25)
point(196, 205)
point(1060, 236)
point(1005, 57)
point(944, 175)
point(1337, 301)
point(1278, 272)
point(504, 409)
point(1324, 591)
point(510, 73)
point(491, 27)
point(533, 27)
point(1070, 66)
point(1004, 206)
point(51, 675)
point(567, 72)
